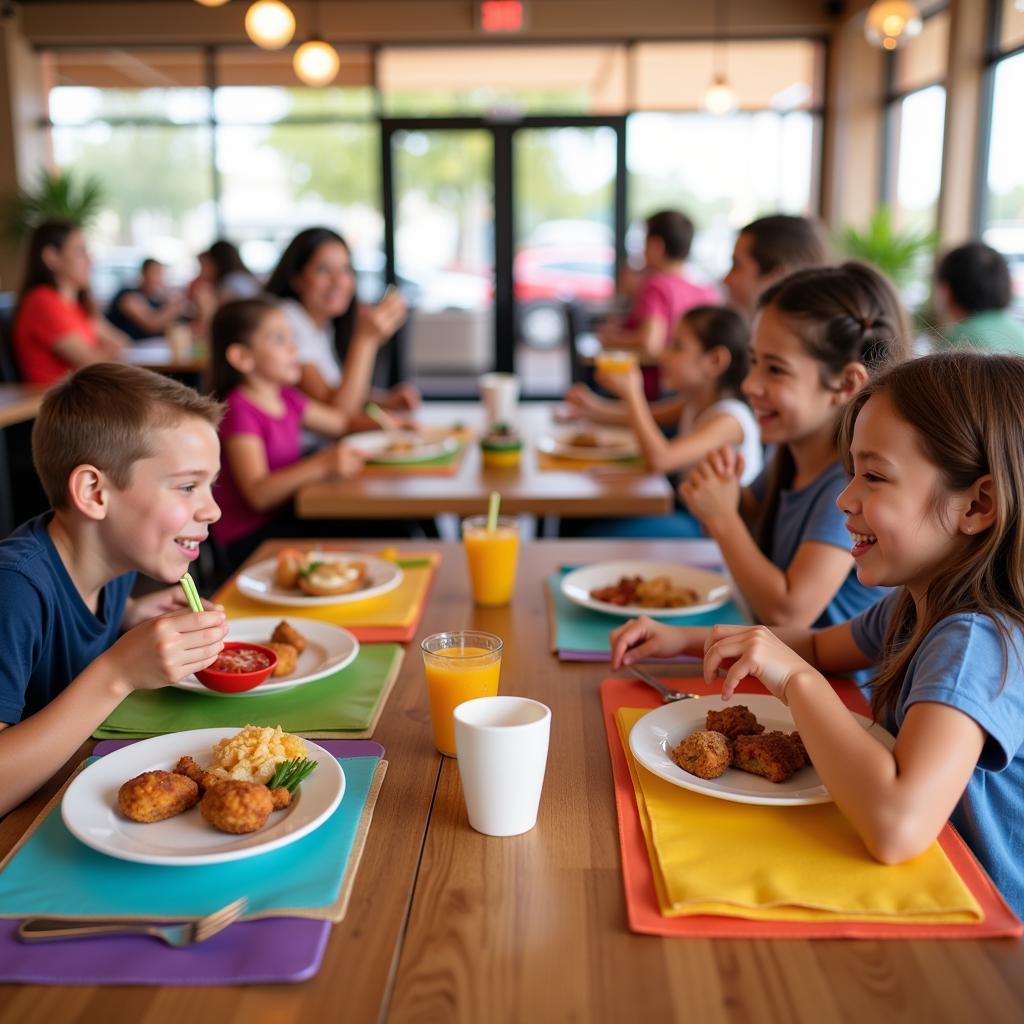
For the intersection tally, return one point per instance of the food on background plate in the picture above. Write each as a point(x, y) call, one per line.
point(733, 721)
point(318, 574)
point(657, 592)
point(704, 754)
point(590, 439)
point(285, 633)
point(404, 445)
point(156, 796)
point(772, 755)
point(501, 446)
point(287, 658)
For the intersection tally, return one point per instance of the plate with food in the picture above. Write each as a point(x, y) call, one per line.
point(744, 749)
point(306, 650)
point(313, 578)
point(590, 443)
point(401, 447)
point(646, 588)
point(203, 797)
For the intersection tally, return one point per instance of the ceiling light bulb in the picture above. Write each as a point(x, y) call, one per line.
point(892, 23)
point(316, 62)
point(270, 24)
point(212, 3)
point(721, 97)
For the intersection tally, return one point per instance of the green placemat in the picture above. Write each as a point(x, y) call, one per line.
point(346, 704)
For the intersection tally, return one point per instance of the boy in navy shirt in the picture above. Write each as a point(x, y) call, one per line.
point(128, 459)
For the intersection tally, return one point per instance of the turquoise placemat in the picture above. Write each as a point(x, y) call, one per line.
point(586, 632)
point(53, 874)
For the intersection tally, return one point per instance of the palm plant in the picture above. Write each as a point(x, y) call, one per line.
point(895, 252)
point(58, 195)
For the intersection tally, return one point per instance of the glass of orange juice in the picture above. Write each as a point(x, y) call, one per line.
point(491, 555)
point(611, 361)
point(460, 666)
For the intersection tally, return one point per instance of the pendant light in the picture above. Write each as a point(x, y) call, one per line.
point(315, 62)
point(212, 3)
point(270, 24)
point(720, 97)
point(892, 23)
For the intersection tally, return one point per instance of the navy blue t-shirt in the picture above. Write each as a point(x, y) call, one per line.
point(47, 633)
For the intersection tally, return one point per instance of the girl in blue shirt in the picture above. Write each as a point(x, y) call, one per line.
point(818, 338)
point(934, 507)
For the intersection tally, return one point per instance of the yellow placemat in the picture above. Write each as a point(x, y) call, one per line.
point(711, 856)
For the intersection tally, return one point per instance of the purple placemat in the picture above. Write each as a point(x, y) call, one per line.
point(273, 950)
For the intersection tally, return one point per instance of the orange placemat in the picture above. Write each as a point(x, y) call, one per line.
point(393, 617)
point(604, 467)
point(641, 899)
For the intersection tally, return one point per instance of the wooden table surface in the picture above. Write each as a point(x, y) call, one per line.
point(19, 402)
point(606, 491)
point(448, 925)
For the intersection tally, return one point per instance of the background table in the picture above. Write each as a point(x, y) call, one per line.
point(448, 925)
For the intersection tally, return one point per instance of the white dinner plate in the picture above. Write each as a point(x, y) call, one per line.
point(658, 732)
point(91, 814)
point(612, 443)
point(328, 649)
point(257, 581)
point(712, 588)
point(376, 445)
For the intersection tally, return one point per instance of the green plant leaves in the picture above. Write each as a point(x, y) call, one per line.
point(58, 195)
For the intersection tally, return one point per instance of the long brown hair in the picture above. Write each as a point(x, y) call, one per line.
point(966, 412)
point(49, 234)
point(233, 324)
point(842, 315)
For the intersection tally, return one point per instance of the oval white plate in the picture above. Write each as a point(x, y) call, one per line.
point(656, 733)
point(257, 581)
point(713, 588)
point(329, 649)
point(614, 444)
point(91, 814)
point(374, 443)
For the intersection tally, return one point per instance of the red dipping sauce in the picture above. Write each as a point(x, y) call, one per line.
point(240, 659)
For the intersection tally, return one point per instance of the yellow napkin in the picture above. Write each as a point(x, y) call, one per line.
point(397, 608)
point(711, 856)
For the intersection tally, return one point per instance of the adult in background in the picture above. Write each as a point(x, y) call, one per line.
point(56, 326)
point(972, 296)
point(146, 309)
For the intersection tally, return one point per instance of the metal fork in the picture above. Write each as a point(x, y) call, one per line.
point(34, 929)
point(669, 696)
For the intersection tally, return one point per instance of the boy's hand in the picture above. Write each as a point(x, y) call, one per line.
point(644, 638)
point(160, 602)
point(734, 652)
point(708, 495)
point(167, 649)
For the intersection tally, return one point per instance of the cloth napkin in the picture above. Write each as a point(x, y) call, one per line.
point(348, 702)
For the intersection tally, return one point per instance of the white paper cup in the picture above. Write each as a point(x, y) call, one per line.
point(500, 395)
point(502, 746)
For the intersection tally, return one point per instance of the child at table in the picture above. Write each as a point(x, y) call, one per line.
point(818, 338)
point(934, 508)
point(127, 459)
point(256, 369)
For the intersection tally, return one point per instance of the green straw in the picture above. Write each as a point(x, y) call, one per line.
point(492, 512)
point(191, 594)
point(377, 414)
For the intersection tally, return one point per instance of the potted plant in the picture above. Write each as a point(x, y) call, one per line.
point(897, 253)
point(58, 195)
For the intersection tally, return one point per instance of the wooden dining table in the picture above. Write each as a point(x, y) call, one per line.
point(604, 490)
point(446, 924)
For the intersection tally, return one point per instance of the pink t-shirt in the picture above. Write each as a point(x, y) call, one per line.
point(281, 437)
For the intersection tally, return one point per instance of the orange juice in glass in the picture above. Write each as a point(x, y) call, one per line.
point(610, 361)
point(491, 555)
point(459, 666)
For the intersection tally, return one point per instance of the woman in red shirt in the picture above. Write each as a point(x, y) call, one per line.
point(56, 328)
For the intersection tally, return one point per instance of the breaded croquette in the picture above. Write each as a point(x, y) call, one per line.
point(795, 737)
point(237, 807)
point(774, 756)
point(287, 657)
point(282, 798)
point(733, 721)
point(155, 796)
point(284, 633)
point(704, 754)
point(202, 778)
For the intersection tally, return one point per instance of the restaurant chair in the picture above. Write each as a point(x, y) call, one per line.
point(8, 367)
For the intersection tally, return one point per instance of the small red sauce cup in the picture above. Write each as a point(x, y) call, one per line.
point(239, 667)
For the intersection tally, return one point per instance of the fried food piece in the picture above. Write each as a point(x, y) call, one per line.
point(703, 753)
point(733, 721)
point(237, 807)
point(155, 796)
point(282, 798)
point(285, 633)
point(290, 562)
point(795, 737)
point(287, 656)
point(333, 578)
point(774, 756)
point(200, 776)
point(657, 592)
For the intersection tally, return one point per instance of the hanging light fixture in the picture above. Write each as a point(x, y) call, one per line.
point(315, 62)
point(212, 3)
point(720, 97)
point(892, 23)
point(270, 24)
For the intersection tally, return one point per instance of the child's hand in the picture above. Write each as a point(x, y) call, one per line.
point(167, 649)
point(727, 462)
point(403, 397)
point(580, 400)
point(377, 323)
point(628, 385)
point(160, 602)
point(709, 495)
point(644, 638)
point(345, 461)
point(739, 651)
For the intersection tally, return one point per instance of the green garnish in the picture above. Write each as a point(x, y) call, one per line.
point(291, 774)
point(308, 570)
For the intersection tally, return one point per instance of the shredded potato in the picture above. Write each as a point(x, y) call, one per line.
point(254, 753)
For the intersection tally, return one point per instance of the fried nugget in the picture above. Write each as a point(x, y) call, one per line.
point(281, 797)
point(799, 743)
point(154, 796)
point(703, 753)
point(733, 721)
point(237, 807)
point(285, 633)
point(774, 756)
point(200, 776)
point(287, 657)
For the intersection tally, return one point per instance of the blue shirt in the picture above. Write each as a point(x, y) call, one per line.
point(960, 663)
point(811, 514)
point(47, 633)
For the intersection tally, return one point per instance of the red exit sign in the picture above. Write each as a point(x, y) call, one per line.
point(499, 16)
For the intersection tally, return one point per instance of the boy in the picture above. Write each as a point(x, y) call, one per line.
point(127, 459)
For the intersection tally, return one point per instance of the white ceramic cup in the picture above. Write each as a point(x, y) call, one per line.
point(500, 395)
point(502, 746)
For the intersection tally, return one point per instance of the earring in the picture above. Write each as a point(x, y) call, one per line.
point(969, 529)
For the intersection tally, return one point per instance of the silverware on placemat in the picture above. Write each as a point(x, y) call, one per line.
point(669, 696)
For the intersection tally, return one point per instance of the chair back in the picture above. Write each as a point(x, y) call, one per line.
point(8, 366)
